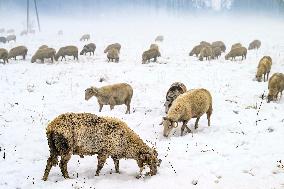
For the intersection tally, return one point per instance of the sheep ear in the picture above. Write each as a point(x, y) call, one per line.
point(165, 118)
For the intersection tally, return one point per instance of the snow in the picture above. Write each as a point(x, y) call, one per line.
point(234, 152)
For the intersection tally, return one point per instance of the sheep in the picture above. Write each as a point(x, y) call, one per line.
point(2, 30)
point(263, 68)
point(113, 55)
point(236, 45)
point(255, 44)
point(44, 53)
point(112, 95)
point(206, 52)
point(24, 32)
point(159, 38)
point(18, 51)
point(43, 47)
point(154, 46)
point(219, 44)
point(275, 86)
point(174, 91)
point(11, 38)
point(11, 31)
point(114, 45)
point(3, 40)
point(67, 51)
point(4, 55)
point(87, 134)
point(149, 54)
point(205, 43)
point(85, 37)
point(89, 48)
point(196, 50)
point(238, 51)
point(191, 104)
point(216, 52)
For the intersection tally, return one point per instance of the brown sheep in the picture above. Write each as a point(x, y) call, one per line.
point(44, 53)
point(154, 46)
point(238, 51)
point(255, 44)
point(115, 45)
point(67, 51)
point(87, 134)
point(149, 54)
point(219, 44)
point(216, 52)
point(236, 45)
point(275, 86)
point(196, 50)
point(263, 68)
point(113, 55)
point(191, 104)
point(4, 55)
point(43, 47)
point(18, 51)
point(205, 43)
point(112, 95)
point(206, 52)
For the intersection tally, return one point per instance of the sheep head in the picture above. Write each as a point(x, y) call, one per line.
point(168, 125)
point(89, 92)
point(33, 59)
point(150, 159)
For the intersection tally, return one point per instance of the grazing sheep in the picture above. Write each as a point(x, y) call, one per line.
point(11, 31)
point(18, 51)
point(154, 46)
point(85, 37)
point(24, 32)
point(4, 55)
point(159, 38)
point(149, 54)
point(205, 43)
point(219, 44)
point(114, 45)
point(216, 52)
point(44, 53)
point(113, 55)
point(11, 38)
point(236, 45)
point(206, 52)
point(238, 51)
point(196, 50)
point(112, 95)
point(275, 86)
point(263, 68)
point(2, 30)
point(3, 40)
point(89, 48)
point(191, 104)
point(255, 44)
point(43, 47)
point(174, 91)
point(87, 134)
point(67, 51)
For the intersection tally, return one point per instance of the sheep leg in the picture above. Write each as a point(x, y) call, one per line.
point(52, 59)
point(101, 161)
point(267, 76)
point(116, 163)
point(52, 160)
point(128, 108)
point(196, 123)
point(101, 107)
point(155, 59)
point(63, 164)
point(183, 127)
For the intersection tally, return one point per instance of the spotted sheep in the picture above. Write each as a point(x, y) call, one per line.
point(87, 134)
point(263, 68)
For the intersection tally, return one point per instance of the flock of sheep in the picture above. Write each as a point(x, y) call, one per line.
point(88, 134)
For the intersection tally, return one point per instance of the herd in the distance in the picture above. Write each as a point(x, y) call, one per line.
point(88, 134)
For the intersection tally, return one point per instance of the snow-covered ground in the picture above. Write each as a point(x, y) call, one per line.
point(234, 152)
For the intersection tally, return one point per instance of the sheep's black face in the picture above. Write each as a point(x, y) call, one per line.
point(82, 52)
point(269, 98)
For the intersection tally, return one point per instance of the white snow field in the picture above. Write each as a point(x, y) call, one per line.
point(234, 152)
